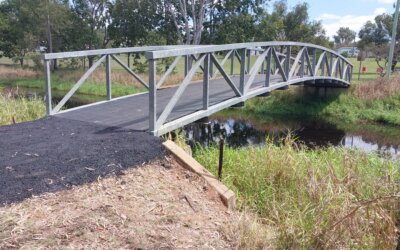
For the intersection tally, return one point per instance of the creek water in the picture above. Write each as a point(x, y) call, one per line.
point(243, 132)
point(239, 132)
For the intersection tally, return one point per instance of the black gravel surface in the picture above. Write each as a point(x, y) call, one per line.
point(55, 153)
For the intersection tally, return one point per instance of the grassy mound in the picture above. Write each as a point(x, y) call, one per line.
point(376, 101)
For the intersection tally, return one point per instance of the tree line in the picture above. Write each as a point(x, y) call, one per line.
point(67, 25)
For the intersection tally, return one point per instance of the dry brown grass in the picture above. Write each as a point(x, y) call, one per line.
point(150, 208)
point(120, 77)
point(378, 88)
point(17, 73)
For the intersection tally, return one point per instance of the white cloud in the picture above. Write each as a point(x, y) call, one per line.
point(386, 1)
point(333, 22)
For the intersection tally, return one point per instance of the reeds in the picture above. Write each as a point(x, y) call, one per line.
point(331, 198)
point(379, 88)
point(17, 109)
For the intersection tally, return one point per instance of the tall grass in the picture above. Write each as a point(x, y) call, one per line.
point(64, 79)
point(324, 198)
point(15, 110)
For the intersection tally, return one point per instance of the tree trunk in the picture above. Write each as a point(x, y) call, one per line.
point(90, 59)
point(21, 62)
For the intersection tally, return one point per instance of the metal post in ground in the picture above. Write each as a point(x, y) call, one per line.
point(221, 157)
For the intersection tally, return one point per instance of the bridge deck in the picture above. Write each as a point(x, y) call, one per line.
point(132, 112)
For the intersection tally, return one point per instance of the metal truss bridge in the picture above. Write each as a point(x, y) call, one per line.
point(214, 77)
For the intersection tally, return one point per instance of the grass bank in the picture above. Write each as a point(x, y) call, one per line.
point(324, 198)
point(20, 109)
point(376, 101)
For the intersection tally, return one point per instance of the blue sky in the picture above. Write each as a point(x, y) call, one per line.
point(345, 13)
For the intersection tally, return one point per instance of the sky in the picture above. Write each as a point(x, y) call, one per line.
point(345, 13)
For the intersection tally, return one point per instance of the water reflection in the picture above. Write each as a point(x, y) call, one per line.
point(242, 133)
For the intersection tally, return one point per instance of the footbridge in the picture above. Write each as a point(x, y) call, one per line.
point(213, 78)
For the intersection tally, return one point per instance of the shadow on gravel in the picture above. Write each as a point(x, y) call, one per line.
point(53, 154)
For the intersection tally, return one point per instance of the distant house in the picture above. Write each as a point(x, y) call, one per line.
point(351, 51)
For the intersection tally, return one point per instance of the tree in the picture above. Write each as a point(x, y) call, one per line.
point(344, 36)
point(293, 25)
point(192, 14)
point(127, 14)
point(374, 38)
point(30, 24)
point(95, 16)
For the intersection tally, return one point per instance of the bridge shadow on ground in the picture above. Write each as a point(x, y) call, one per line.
point(53, 154)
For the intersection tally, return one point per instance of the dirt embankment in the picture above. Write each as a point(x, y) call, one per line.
point(160, 205)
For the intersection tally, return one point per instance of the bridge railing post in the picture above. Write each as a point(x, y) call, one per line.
point(232, 62)
point(243, 53)
point(108, 77)
point(287, 60)
point(152, 96)
point(186, 64)
point(268, 70)
point(248, 60)
point(47, 87)
point(302, 61)
point(314, 61)
point(206, 81)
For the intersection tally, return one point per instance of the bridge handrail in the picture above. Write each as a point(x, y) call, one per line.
point(312, 63)
point(110, 51)
point(183, 50)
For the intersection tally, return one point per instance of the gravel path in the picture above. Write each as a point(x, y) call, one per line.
point(54, 153)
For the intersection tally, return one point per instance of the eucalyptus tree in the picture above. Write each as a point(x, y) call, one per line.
point(345, 36)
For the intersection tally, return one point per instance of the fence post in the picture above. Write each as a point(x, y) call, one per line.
point(243, 53)
point(206, 81)
point(108, 77)
point(152, 96)
point(49, 107)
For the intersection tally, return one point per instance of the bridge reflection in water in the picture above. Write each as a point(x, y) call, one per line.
point(243, 133)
